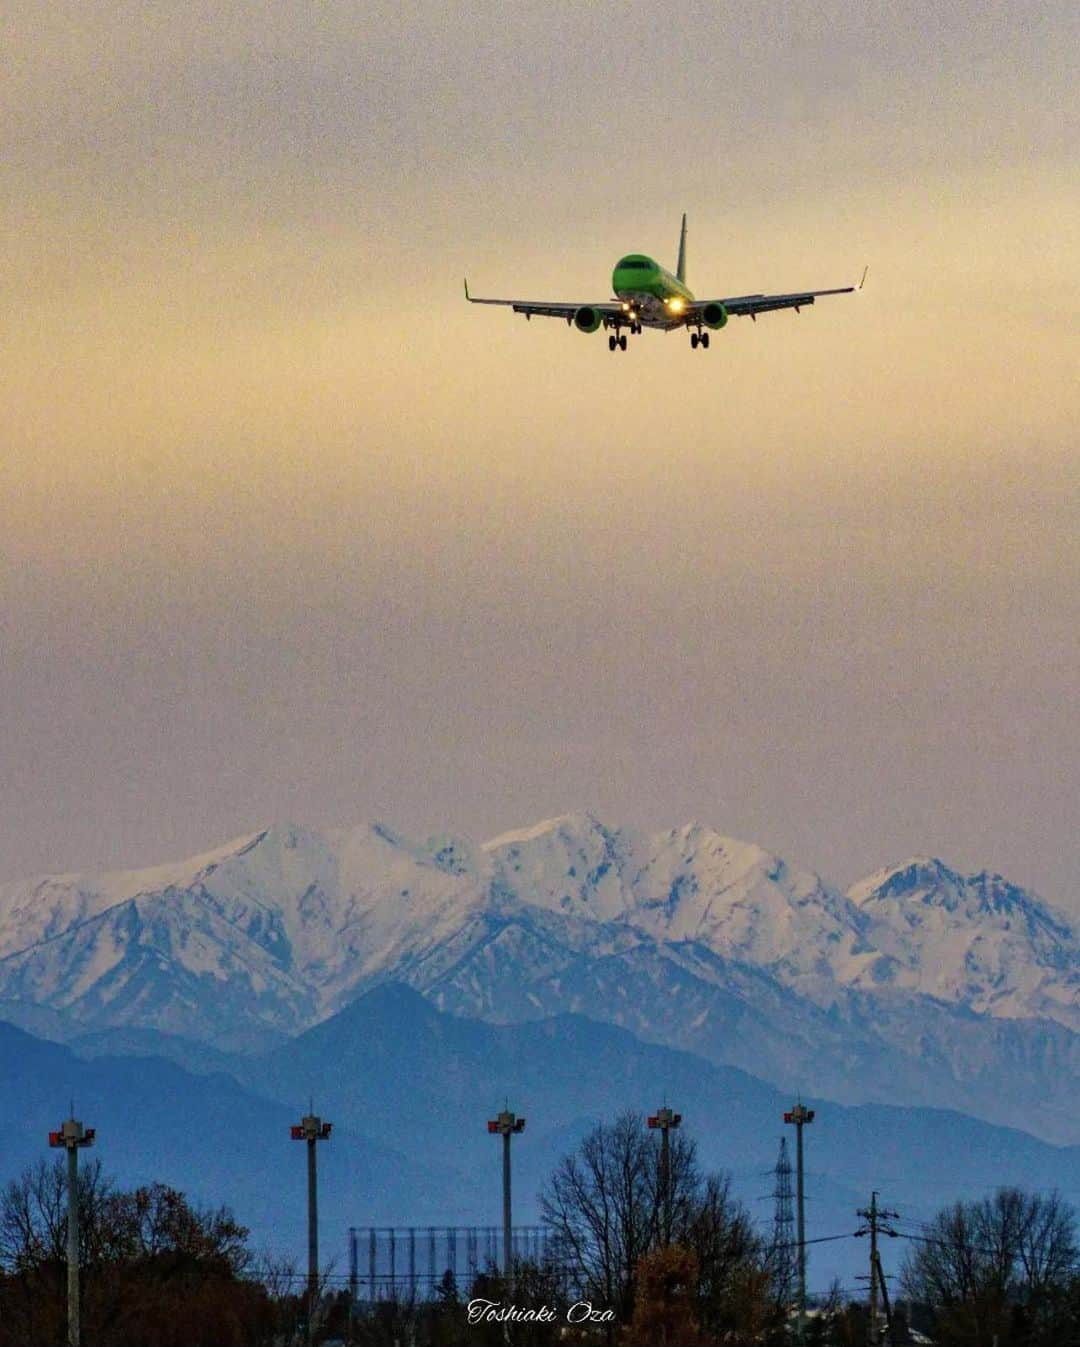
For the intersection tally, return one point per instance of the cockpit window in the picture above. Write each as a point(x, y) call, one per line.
point(635, 264)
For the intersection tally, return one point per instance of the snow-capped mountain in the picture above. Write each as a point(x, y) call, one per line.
point(955, 991)
point(264, 935)
point(973, 940)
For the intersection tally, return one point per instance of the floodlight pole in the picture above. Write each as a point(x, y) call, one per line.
point(665, 1120)
point(70, 1137)
point(312, 1129)
point(800, 1116)
point(507, 1124)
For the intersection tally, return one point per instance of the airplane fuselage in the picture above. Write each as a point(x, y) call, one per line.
point(650, 295)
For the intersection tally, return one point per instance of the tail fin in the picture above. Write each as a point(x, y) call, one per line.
point(680, 270)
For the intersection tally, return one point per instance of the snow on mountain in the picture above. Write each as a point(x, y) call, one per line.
point(346, 904)
point(311, 917)
point(39, 909)
point(261, 934)
point(747, 905)
point(974, 940)
point(685, 885)
point(686, 937)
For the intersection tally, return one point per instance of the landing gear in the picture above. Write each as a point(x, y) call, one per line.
point(617, 341)
point(611, 343)
point(705, 340)
point(699, 339)
point(694, 339)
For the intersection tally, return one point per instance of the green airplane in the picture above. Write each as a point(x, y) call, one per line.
point(648, 296)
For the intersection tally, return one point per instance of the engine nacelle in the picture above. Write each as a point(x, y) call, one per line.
point(588, 319)
point(714, 316)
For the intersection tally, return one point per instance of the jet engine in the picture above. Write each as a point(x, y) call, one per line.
point(588, 319)
point(714, 315)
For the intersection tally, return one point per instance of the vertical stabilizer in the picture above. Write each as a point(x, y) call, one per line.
point(680, 270)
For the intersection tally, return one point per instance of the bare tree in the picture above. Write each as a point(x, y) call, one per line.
point(159, 1268)
point(737, 1276)
point(603, 1203)
point(33, 1214)
point(1047, 1244)
point(993, 1268)
point(155, 1219)
point(33, 1247)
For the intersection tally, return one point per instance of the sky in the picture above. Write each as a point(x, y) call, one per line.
point(290, 532)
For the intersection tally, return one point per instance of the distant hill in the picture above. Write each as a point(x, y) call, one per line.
point(210, 1137)
point(432, 1079)
point(409, 1089)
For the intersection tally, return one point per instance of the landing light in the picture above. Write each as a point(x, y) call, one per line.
point(626, 308)
point(676, 305)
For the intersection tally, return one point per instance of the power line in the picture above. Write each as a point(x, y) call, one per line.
point(824, 1239)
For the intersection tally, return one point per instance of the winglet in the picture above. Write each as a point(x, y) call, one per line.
point(467, 295)
point(863, 281)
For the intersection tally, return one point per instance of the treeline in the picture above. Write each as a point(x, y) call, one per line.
point(155, 1270)
point(645, 1256)
point(1000, 1271)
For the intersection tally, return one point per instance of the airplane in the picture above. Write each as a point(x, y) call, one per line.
point(648, 296)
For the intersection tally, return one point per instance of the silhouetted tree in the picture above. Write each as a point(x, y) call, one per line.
point(603, 1204)
point(998, 1269)
point(738, 1277)
point(665, 1311)
point(155, 1268)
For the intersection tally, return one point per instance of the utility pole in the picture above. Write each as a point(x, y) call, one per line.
point(506, 1125)
point(312, 1129)
point(875, 1218)
point(665, 1120)
point(354, 1273)
point(800, 1116)
point(70, 1137)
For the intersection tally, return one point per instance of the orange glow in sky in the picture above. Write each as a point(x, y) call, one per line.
point(289, 530)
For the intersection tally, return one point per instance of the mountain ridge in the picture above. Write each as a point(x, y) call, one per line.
point(408, 1089)
point(962, 990)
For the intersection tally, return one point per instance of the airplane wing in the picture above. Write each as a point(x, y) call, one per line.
point(742, 306)
point(542, 309)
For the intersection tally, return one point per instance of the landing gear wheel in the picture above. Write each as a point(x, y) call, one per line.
point(705, 340)
point(611, 343)
point(694, 341)
point(622, 342)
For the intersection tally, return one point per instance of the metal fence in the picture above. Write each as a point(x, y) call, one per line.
point(410, 1262)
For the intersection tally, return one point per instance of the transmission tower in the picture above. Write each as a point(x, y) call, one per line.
point(783, 1226)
